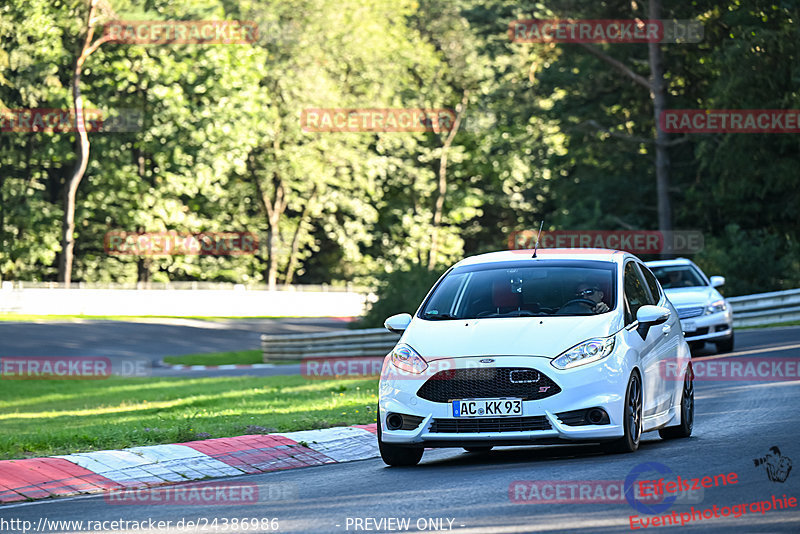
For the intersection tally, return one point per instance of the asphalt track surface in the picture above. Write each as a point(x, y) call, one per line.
point(149, 340)
point(735, 423)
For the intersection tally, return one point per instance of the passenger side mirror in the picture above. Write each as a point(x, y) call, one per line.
point(650, 316)
point(397, 324)
point(717, 281)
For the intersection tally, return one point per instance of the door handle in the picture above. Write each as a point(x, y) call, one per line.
point(667, 329)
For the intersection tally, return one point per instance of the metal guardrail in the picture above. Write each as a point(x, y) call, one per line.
point(368, 343)
point(766, 308)
point(748, 310)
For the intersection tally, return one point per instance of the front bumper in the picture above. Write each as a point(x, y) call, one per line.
point(710, 328)
point(596, 385)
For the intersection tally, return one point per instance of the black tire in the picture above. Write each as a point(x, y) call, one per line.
point(478, 449)
point(726, 345)
point(632, 419)
point(683, 430)
point(396, 455)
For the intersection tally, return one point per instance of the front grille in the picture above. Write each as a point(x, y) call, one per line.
point(489, 382)
point(686, 313)
point(490, 424)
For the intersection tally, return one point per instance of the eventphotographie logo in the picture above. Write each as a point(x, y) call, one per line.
point(777, 465)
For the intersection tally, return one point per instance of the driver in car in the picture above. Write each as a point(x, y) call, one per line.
point(592, 292)
point(676, 279)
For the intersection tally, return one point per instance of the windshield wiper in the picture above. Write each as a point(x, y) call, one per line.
point(523, 313)
point(438, 316)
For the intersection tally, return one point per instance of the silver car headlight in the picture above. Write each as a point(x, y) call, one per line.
point(716, 307)
point(589, 351)
point(407, 359)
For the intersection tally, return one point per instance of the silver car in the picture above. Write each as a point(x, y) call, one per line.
point(705, 315)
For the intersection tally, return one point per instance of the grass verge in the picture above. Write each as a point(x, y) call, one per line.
point(48, 417)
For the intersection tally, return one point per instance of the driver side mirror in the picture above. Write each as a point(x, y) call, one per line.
point(397, 324)
point(717, 281)
point(649, 316)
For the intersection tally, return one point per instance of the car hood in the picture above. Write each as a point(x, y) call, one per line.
point(692, 296)
point(527, 336)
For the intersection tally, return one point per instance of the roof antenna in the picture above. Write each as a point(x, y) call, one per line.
point(537, 239)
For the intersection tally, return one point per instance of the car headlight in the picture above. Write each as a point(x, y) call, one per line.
point(407, 359)
point(716, 306)
point(589, 351)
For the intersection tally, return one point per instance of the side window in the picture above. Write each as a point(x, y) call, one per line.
point(652, 283)
point(635, 291)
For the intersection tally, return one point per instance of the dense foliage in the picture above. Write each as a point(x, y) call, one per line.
point(549, 132)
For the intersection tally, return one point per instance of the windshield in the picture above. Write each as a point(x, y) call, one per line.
point(512, 290)
point(674, 276)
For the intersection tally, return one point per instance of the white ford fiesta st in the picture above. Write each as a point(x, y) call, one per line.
point(508, 348)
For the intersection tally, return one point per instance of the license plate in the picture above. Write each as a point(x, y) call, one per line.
point(688, 326)
point(487, 407)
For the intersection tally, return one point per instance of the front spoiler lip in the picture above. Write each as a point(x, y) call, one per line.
point(491, 442)
point(558, 432)
point(710, 337)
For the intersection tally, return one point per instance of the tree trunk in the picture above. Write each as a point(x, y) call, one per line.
point(273, 209)
point(272, 254)
point(296, 237)
point(442, 189)
point(659, 96)
point(82, 149)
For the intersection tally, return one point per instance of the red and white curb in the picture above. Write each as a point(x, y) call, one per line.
point(137, 467)
point(179, 367)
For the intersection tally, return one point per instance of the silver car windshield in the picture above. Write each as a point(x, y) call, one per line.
point(675, 276)
point(585, 288)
